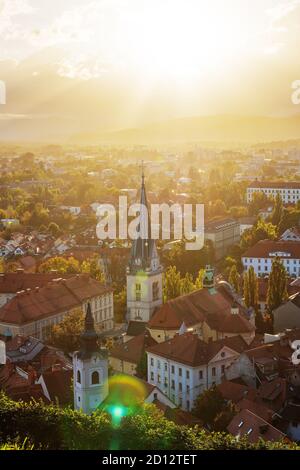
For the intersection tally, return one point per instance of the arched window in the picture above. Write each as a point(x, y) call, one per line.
point(78, 377)
point(95, 378)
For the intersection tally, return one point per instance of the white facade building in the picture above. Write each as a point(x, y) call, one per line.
point(289, 191)
point(184, 367)
point(261, 256)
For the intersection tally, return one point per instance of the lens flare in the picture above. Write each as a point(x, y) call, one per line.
point(126, 394)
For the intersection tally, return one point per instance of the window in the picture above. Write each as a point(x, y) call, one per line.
point(173, 385)
point(158, 378)
point(155, 396)
point(187, 374)
point(78, 377)
point(200, 374)
point(152, 361)
point(188, 405)
point(223, 369)
point(213, 371)
point(95, 378)
point(166, 366)
point(155, 291)
point(180, 372)
point(173, 369)
point(158, 364)
point(138, 292)
point(152, 376)
point(180, 386)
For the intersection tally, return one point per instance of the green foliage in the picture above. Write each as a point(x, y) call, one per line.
point(277, 211)
point(172, 282)
point(277, 286)
point(213, 410)
point(251, 288)
point(141, 368)
point(234, 278)
point(61, 265)
point(54, 428)
point(261, 231)
point(66, 335)
point(91, 266)
point(290, 218)
point(120, 299)
point(259, 201)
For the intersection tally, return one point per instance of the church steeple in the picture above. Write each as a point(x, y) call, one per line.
point(90, 368)
point(144, 271)
point(89, 336)
point(143, 250)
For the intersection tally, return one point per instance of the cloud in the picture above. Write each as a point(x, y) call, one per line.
point(282, 10)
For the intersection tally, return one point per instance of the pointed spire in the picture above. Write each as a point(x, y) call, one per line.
point(143, 248)
point(89, 336)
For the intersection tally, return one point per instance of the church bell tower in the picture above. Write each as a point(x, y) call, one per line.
point(90, 369)
point(144, 271)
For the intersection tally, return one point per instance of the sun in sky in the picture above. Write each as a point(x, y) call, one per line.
point(147, 60)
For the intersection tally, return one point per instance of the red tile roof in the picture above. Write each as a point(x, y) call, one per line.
point(257, 408)
point(11, 283)
point(58, 384)
point(189, 349)
point(196, 307)
point(132, 350)
point(252, 426)
point(57, 296)
point(231, 323)
point(235, 392)
point(263, 248)
point(274, 184)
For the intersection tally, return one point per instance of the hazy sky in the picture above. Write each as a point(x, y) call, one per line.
point(118, 63)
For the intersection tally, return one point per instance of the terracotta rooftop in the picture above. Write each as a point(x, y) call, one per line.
point(275, 184)
point(57, 296)
point(263, 249)
point(192, 309)
point(132, 350)
point(252, 426)
point(235, 392)
point(11, 283)
point(189, 349)
point(257, 408)
point(135, 328)
point(58, 384)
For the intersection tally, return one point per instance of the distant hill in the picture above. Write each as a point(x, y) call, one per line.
point(226, 128)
